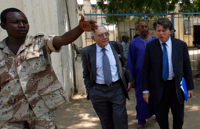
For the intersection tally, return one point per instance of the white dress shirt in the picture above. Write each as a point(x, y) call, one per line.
point(169, 54)
point(99, 65)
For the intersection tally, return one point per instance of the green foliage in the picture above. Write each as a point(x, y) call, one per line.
point(143, 6)
point(191, 7)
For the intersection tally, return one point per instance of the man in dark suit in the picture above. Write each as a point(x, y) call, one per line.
point(108, 97)
point(161, 78)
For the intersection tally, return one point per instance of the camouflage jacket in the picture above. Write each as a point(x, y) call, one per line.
point(28, 79)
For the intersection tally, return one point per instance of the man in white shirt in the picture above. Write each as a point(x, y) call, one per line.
point(166, 60)
point(106, 84)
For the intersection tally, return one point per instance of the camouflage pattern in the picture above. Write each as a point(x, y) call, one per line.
point(47, 121)
point(28, 79)
point(14, 125)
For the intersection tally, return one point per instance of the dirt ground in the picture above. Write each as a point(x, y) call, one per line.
point(79, 113)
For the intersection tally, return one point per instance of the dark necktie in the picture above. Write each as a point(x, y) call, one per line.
point(165, 66)
point(106, 68)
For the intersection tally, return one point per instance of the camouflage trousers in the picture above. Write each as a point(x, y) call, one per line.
point(47, 121)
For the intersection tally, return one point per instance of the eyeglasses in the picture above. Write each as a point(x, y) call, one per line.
point(102, 35)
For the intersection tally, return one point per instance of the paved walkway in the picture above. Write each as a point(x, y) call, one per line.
point(79, 113)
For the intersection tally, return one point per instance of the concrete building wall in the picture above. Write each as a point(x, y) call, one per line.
point(51, 17)
point(77, 45)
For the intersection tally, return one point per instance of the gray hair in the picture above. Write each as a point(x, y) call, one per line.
point(99, 25)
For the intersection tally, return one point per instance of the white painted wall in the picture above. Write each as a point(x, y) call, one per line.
point(74, 18)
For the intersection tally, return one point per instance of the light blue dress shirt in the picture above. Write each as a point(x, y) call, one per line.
point(99, 65)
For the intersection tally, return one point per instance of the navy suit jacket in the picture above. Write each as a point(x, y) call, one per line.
point(153, 65)
point(88, 55)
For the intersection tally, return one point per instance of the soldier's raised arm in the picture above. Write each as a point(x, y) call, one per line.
point(70, 36)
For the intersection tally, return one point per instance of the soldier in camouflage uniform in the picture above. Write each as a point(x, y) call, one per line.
point(29, 88)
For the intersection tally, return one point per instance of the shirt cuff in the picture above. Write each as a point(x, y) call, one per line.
point(145, 91)
point(50, 44)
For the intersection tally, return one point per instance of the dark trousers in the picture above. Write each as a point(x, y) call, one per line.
point(169, 100)
point(109, 103)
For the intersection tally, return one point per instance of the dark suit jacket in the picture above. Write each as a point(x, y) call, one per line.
point(153, 65)
point(88, 55)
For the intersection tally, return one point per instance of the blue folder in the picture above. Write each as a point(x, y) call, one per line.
point(184, 88)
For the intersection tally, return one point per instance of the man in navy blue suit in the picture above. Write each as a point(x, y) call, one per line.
point(164, 84)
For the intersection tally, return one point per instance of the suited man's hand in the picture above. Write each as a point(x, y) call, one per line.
point(133, 85)
point(190, 93)
point(146, 97)
point(129, 86)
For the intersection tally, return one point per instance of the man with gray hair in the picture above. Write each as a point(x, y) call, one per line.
point(167, 61)
point(104, 79)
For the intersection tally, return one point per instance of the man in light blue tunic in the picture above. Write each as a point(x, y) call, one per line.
point(135, 64)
